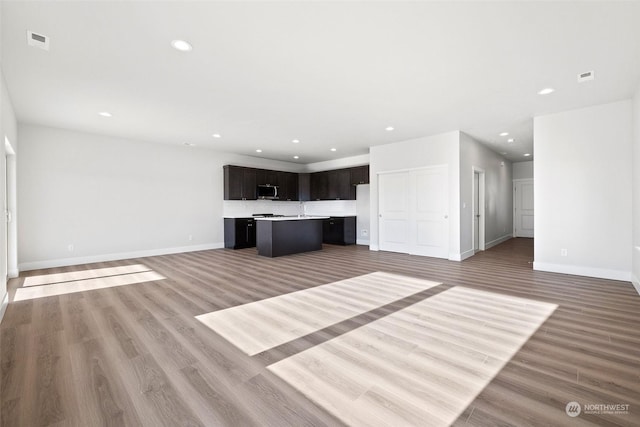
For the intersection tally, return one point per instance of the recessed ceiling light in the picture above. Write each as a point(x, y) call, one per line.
point(296, 157)
point(504, 134)
point(105, 114)
point(295, 141)
point(216, 135)
point(258, 151)
point(181, 45)
point(333, 149)
point(546, 91)
point(389, 128)
point(510, 140)
point(527, 154)
point(189, 144)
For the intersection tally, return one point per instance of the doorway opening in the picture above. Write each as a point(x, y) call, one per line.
point(478, 197)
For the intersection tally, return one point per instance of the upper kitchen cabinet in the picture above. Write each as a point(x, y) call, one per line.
point(339, 185)
point(319, 185)
point(266, 177)
point(239, 183)
point(304, 187)
point(287, 185)
point(359, 175)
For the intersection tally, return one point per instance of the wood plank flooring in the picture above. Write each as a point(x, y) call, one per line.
point(135, 354)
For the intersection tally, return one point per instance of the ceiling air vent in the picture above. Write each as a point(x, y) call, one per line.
point(37, 40)
point(585, 77)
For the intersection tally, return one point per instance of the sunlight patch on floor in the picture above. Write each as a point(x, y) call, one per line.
point(68, 287)
point(422, 365)
point(48, 279)
point(264, 324)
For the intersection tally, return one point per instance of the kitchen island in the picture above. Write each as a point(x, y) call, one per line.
point(277, 236)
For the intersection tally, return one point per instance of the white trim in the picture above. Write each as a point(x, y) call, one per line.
point(63, 262)
point(499, 240)
point(12, 274)
point(481, 208)
point(414, 169)
point(5, 304)
point(364, 242)
point(464, 255)
point(601, 273)
point(636, 283)
point(522, 180)
point(373, 247)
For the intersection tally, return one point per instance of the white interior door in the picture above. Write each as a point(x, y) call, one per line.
point(393, 193)
point(413, 212)
point(523, 208)
point(429, 227)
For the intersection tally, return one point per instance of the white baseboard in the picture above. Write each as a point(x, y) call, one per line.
point(497, 241)
point(63, 262)
point(601, 273)
point(636, 283)
point(12, 274)
point(373, 247)
point(467, 254)
point(5, 304)
point(364, 242)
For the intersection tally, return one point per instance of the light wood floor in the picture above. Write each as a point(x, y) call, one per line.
point(122, 350)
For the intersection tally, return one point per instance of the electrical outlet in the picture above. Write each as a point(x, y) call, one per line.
point(365, 232)
point(190, 237)
point(563, 252)
point(70, 247)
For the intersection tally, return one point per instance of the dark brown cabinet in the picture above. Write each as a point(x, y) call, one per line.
point(239, 183)
point(287, 185)
point(319, 186)
point(304, 183)
point(239, 233)
point(339, 184)
point(359, 175)
point(266, 177)
point(339, 230)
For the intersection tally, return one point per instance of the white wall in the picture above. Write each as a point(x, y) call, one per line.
point(583, 191)
point(498, 214)
point(636, 192)
point(523, 170)
point(434, 150)
point(363, 211)
point(113, 198)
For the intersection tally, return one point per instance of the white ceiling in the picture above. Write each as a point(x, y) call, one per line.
point(331, 74)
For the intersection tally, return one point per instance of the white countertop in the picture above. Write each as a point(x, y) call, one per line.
point(289, 218)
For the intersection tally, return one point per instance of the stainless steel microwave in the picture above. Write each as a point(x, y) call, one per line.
point(267, 191)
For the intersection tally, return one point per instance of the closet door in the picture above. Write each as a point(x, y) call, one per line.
point(413, 212)
point(393, 212)
point(429, 194)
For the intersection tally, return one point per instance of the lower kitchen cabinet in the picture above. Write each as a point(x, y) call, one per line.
point(339, 230)
point(239, 233)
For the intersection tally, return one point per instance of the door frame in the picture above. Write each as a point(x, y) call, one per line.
point(10, 213)
point(481, 208)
